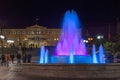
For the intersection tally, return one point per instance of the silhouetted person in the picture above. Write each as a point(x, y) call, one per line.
point(29, 57)
point(18, 59)
point(12, 57)
point(24, 58)
point(3, 59)
point(7, 59)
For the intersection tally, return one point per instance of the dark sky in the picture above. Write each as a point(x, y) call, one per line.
point(92, 13)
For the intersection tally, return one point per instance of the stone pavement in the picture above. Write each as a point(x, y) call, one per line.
point(14, 72)
point(10, 72)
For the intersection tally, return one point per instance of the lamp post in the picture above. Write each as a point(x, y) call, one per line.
point(99, 39)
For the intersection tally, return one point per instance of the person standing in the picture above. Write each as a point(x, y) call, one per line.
point(24, 58)
point(12, 57)
point(18, 59)
point(7, 59)
point(2, 59)
point(29, 57)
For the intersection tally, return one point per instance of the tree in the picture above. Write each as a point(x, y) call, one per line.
point(108, 46)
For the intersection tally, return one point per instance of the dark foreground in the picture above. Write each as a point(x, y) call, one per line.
point(15, 72)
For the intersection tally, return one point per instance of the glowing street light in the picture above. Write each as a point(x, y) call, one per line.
point(2, 37)
point(100, 37)
point(90, 38)
point(85, 41)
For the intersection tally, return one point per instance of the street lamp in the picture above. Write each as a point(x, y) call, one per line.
point(2, 37)
point(85, 41)
point(100, 37)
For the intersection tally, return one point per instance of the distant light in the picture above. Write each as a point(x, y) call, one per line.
point(90, 39)
point(25, 39)
point(5, 46)
point(2, 37)
point(10, 41)
point(85, 41)
point(98, 37)
point(55, 39)
point(101, 36)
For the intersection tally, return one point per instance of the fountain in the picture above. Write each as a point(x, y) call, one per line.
point(94, 55)
point(70, 48)
point(43, 56)
point(70, 36)
point(71, 52)
point(101, 55)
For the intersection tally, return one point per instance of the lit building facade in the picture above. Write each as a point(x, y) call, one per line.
point(33, 36)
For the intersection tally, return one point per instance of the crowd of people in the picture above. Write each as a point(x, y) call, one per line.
point(7, 58)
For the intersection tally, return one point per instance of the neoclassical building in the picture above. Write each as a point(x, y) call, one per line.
point(34, 36)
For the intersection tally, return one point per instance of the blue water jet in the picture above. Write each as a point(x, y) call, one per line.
point(94, 55)
point(42, 51)
point(101, 54)
point(46, 56)
point(71, 56)
point(43, 59)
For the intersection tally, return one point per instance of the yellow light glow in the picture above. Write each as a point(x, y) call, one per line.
point(54, 38)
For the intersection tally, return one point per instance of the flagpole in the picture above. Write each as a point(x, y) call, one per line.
point(36, 21)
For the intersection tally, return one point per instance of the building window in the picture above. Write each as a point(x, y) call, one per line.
point(28, 33)
point(32, 32)
point(39, 32)
point(48, 32)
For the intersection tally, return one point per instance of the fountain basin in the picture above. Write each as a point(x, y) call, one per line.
point(77, 59)
point(76, 71)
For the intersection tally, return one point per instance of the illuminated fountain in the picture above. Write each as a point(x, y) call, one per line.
point(101, 55)
point(43, 56)
point(70, 36)
point(71, 48)
point(94, 55)
point(70, 59)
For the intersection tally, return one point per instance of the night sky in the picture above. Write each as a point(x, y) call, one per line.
point(92, 13)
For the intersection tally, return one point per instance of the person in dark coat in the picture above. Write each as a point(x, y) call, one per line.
point(3, 59)
point(24, 58)
point(12, 57)
point(29, 57)
point(18, 59)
